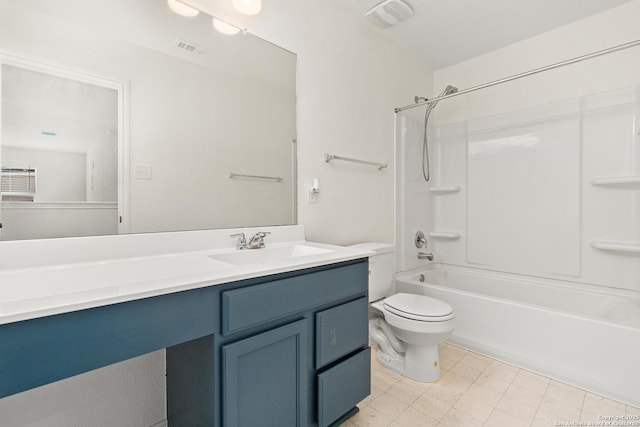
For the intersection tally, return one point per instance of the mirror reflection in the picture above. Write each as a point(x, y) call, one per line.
point(125, 117)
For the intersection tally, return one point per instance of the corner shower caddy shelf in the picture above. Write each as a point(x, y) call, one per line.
point(448, 235)
point(623, 182)
point(329, 157)
point(441, 191)
point(265, 178)
point(616, 246)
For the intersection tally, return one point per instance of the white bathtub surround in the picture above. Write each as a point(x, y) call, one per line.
point(589, 338)
point(551, 261)
point(78, 273)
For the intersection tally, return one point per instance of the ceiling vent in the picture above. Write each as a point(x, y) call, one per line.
point(189, 47)
point(389, 13)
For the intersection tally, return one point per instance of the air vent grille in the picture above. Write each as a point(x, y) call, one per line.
point(189, 47)
point(389, 12)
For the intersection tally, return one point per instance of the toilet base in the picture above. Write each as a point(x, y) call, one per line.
point(420, 363)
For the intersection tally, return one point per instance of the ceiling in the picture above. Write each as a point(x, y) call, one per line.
point(445, 32)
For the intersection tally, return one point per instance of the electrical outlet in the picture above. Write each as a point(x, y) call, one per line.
point(312, 197)
point(143, 171)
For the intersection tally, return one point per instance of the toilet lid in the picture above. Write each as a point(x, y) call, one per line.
point(418, 307)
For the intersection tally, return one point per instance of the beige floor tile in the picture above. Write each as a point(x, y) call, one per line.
point(535, 383)
point(517, 408)
point(565, 394)
point(455, 418)
point(414, 418)
point(477, 391)
point(547, 419)
point(558, 409)
point(431, 406)
point(389, 405)
point(502, 370)
point(375, 393)
point(452, 352)
point(369, 417)
point(476, 360)
point(467, 372)
point(475, 408)
point(493, 382)
point(406, 392)
point(347, 423)
point(598, 404)
point(502, 419)
point(453, 382)
point(527, 396)
point(384, 379)
point(484, 394)
point(444, 393)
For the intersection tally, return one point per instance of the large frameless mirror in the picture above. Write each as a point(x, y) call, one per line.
point(124, 117)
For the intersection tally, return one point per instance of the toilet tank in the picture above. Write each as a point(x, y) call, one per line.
point(381, 269)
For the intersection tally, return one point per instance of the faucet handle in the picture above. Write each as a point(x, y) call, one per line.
point(242, 240)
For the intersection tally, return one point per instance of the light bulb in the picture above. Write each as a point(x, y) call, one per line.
point(247, 7)
point(225, 27)
point(182, 9)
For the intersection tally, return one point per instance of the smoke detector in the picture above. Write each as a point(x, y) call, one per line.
point(389, 13)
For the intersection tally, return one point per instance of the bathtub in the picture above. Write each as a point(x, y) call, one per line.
point(586, 337)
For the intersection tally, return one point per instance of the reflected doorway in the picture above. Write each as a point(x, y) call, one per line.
point(60, 148)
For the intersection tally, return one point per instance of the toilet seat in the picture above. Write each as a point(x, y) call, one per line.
point(418, 307)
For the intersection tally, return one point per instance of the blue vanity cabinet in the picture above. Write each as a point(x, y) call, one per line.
point(264, 380)
point(283, 350)
point(279, 334)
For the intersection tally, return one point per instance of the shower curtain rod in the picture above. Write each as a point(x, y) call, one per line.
point(525, 74)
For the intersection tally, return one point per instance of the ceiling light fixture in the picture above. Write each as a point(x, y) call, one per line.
point(182, 9)
point(247, 7)
point(225, 27)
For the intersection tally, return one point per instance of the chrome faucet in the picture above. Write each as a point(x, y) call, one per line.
point(242, 241)
point(425, 255)
point(257, 241)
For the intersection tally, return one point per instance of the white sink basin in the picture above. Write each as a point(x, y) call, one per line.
point(273, 255)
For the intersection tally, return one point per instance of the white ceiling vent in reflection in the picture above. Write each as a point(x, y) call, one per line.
point(389, 13)
point(189, 47)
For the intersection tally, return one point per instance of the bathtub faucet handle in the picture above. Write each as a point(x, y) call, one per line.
point(420, 240)
point(425, 255)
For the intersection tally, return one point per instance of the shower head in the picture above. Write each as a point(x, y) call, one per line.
point(449, 90)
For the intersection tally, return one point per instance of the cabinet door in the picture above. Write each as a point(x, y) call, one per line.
point(265, 379)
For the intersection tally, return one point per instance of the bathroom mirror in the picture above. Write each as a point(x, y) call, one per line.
point(198, 129)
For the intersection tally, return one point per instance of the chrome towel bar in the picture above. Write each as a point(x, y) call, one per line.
point(267, 178)
point(329, 157)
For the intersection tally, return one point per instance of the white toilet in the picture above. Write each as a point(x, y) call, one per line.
point(406, 327)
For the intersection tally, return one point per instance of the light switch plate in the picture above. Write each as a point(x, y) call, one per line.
point(143, 171)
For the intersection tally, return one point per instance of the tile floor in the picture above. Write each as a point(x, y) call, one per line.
point(475, 390)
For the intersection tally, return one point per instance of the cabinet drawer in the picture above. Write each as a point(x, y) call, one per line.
point(341, 330)
point(250, 306)
point(343, 387)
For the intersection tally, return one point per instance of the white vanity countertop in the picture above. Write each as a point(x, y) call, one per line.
point(40, 288)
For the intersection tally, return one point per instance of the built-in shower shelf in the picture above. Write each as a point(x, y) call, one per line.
point(628, 182)
point(616, 246)
point(448, 235)
point(440, 191)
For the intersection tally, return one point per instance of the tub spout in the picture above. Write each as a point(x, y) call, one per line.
point(425, 255)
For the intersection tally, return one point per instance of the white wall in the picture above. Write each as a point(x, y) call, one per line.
point(349, 81)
